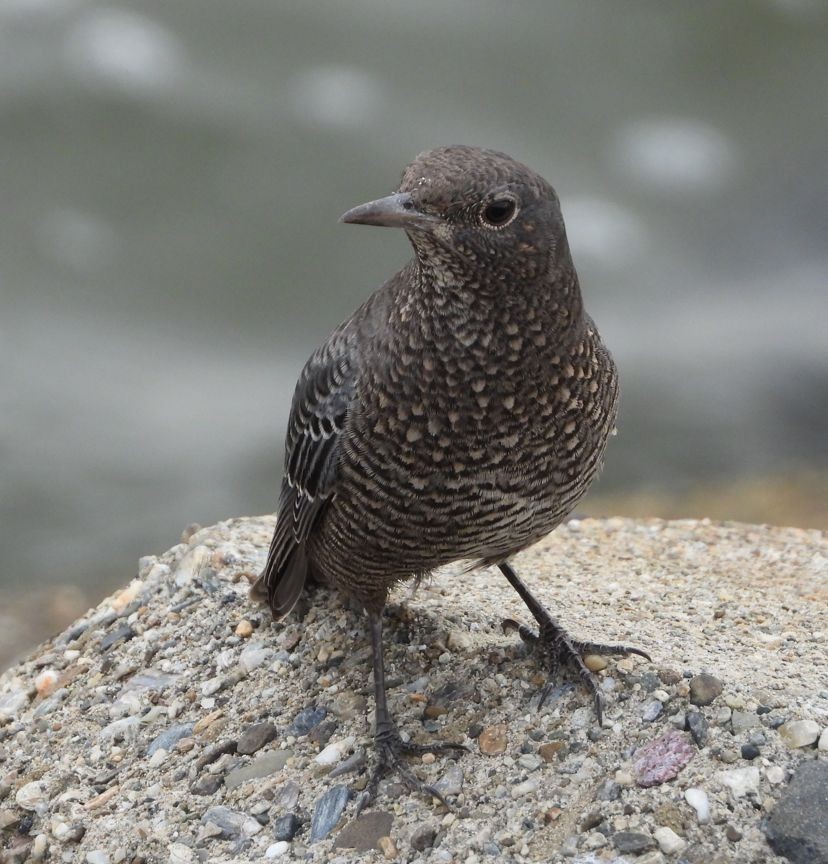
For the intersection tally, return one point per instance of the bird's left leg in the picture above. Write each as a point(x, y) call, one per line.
point(389, 745)
point(559, 644)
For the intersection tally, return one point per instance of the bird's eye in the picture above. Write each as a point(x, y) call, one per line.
point(498, 212)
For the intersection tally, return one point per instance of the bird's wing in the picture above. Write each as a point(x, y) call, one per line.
point(318, 415)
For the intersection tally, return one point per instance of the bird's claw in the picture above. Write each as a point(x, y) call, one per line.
point(561, 648)
point(390, 749)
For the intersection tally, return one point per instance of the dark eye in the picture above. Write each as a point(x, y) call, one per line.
point(499, 212)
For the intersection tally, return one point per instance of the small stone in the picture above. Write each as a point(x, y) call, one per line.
point(229, 822)
point(255, 737)
point(632, 842)
point(704, 689)
point(529, 761)
point(158, 758)
point(244, 629)
point(733, 834)
point(207, 784)
point(797, 828)
point(205, 722)
point(253, 656)
point(526, 788)
point(364, 833)
point(285, 827)
point(334, 752)
point(595, 662)
point(594, 840)
point(698, 800)
point(775, 774)
point(740, 781)
point(97, 856)
point(623, 778)
point(46, 683)
point(662, 758)
point(423, 837)
point(180, 854)
point(327, 812)
point(277, 850)
point(799, 733)
point(170, 737)
point(388, 848)
point(668, 841)
point(655, 857)
point(609, 790)
point(697, 725)
point(741, 721)
point(33, 796)
point(823, 740)
point(669, 676)
point(492, 740)
point(451, 783)
point(121, 634)
point(306, 719)
point(551, 750)
point(262, 766)
point(750, 751)
point(651, 711)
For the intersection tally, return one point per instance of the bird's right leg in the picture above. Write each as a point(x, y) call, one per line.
point(389, 746)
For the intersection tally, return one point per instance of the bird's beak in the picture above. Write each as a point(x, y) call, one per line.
point(395, 211)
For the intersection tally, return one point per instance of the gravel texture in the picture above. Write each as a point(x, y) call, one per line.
point(176, 723)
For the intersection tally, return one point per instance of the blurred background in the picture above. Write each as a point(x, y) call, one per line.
point(170, 180)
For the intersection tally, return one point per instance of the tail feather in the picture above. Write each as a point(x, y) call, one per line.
point(283, 578)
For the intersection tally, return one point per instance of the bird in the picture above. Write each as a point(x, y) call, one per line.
point(458, 415)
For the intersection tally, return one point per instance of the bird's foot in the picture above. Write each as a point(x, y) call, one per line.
point(390, 750)
point(562, 648)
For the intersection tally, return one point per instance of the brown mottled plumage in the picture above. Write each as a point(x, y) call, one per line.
point(459, 414)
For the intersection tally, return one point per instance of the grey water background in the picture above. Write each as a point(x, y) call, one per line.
point(171, 174)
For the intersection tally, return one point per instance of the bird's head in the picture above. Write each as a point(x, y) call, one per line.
point(474, 214)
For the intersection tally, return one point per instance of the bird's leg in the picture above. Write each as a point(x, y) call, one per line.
point(389, 745)
point(552, 638)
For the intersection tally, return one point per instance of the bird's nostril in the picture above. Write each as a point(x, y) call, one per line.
point(407, 205)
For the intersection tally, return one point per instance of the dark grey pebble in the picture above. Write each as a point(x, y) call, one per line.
point(798, 828)
point(632, 842)
point(170, 737)
point(704, 689)
point(491, 849)
point(352, 763)
point(121, 634)
point(306, 719)
point(255, 737)
point(423, 837)
point(650, 681)
point(321, 734)
point(327, 812)
point(207, 785)
point(750, 751)
point(697, 726)
point(651, 711)
point(475, 729)
point(451, 783)
point(285, 827)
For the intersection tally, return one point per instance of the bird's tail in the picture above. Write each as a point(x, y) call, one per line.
point(285, 572)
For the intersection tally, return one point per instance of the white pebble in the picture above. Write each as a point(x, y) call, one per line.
point(823, 740)
point(254, 656)
point(799, 733)
point(775, 774)
point(158, 758)
point(97, 856)
point(33, 796)
point(740, 781)
point(180, 853)
point(698, 800)
point(525, 788)
point(333, 753)
point(668, 841)
point(276, 850)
